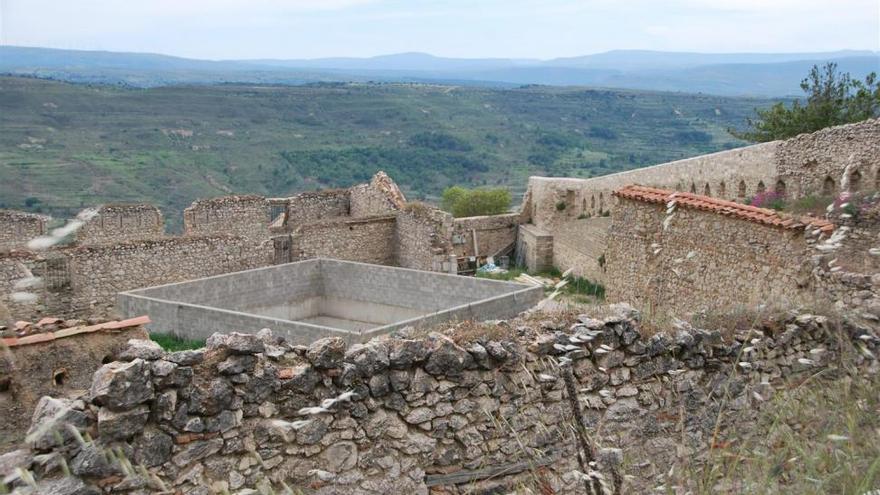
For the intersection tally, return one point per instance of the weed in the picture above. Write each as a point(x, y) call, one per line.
point(173, 343)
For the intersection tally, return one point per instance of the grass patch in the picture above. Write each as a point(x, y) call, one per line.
point(174, 343)
point(817, 437)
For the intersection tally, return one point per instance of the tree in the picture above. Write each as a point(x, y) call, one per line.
point(463, 202)
point(832, 99)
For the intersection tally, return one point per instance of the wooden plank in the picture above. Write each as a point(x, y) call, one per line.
point(467, 476)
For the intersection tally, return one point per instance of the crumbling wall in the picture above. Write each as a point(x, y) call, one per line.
point(98, 273)
point(380, 196)
point(246, 216)
point(422, 237)
point(17, 228)
point(494, 233)
point(13, 268)
point(120, 223)
point(814, 164)
point(369, 240)
point(703, 260)
point(402, 415)
point(60, 362)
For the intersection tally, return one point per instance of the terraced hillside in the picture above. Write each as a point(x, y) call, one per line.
point(63, 146)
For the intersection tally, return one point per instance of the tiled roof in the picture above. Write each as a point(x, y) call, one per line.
point(68, 332)
point(762, 216)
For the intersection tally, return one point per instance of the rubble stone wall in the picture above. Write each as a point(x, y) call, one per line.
point(57, 368)
point(401, 415)
point(580, 245)
point(380, 196)
point(246, 216)
point(308, 207)
point(120, 223)
point(18, 227)
point(422, 238)
point(702, 260)
point(98, 273)
point(814, 164)
point(369, 240)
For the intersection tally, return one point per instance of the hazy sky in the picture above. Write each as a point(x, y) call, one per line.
point(458, 28)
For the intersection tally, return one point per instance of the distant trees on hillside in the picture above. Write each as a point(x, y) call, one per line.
point(464, 202)
point(833, 98)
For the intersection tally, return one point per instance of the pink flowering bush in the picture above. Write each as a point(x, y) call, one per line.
point(769, 199)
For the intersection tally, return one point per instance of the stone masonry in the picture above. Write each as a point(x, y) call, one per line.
point(478, 414)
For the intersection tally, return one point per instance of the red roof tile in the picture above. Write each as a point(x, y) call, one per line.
point(67, 332)
point(762, 216)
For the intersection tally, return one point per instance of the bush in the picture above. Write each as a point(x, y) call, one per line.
point(463, 202)
point(439, 141)
point(560, 206)
point(769, 199)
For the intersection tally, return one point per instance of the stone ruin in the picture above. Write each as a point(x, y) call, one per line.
point(460, 411)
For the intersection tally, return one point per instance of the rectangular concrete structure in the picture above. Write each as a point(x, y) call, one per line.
point(307, 300)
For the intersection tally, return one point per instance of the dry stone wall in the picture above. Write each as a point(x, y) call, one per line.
point(580, 245)
point(309, 207)
point(703, 260)
point(380, 196)
point(405, 414)
point(246, 216)
point(17, 228)
point(120, 223)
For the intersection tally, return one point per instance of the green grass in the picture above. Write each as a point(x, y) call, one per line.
point(174, 343)
point(77, 145)
point(577, 287)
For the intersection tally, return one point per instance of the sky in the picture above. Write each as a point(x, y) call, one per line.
point(288, 29)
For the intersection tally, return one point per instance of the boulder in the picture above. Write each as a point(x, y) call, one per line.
point(145, 349)
point(447, 358)
point(121, 386)
point(244, 343)
point(50, 422)
point(368, 359)
point(326, 353)
point(119, 425)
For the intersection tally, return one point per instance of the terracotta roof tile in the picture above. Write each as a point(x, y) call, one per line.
point(762, 216)
point(67, 332)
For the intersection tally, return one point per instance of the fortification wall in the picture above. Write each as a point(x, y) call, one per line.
point(493, 233)
point(120, 223)
point(534, 248)
point(98, 273)
point(17, 228)
point(246, 216)
point(485, 415)
point(422, 237)
point(814, 164)
point(369, 240)
point(703, 260)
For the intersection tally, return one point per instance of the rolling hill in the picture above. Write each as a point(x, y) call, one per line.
point(64, 146)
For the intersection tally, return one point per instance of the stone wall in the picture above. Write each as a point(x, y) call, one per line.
point(369, 240)
point(246, 216)
point(814, 164)
point(120, 223)
point(13, 268)
point(703, 260)
point(17, 228)
point(98, 273)
point(580, 244)
point(494, 233)
point(58, 366)
point(380, 196)
point(485, 414)
point(422, 237)
point(309, 207)
point(534, 248)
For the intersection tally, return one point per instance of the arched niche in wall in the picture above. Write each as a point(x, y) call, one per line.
point(601, 202)
point(828, 186)
point(593, 202)
point(707, 191)
point(693, 188)
point(855, 181)
point(877, 180)
point(741, 192)
point(722, 190)
point(761, 187)
point(780, 187)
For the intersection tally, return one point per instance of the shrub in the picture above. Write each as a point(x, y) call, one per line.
point(769, 199)
point(439, 141)
point(560, 206)
point(463, 202)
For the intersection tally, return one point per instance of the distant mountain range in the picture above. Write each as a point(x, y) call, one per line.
point(757, 74)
